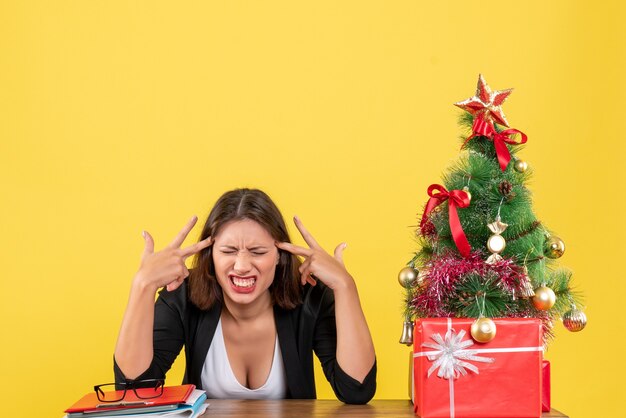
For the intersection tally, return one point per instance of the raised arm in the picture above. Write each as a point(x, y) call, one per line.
point(134, 348)
point(355, 349)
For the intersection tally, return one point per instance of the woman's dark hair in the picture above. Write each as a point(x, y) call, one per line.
point(236, 205)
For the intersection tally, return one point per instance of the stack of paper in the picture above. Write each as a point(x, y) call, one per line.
point(184, 401)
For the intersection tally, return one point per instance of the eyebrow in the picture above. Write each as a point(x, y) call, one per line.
point(253, 247)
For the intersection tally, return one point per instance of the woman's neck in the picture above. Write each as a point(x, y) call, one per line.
point(248, 312)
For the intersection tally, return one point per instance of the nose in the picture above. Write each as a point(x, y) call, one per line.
point(242, 262)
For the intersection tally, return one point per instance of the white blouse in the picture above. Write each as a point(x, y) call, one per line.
point(220, 382)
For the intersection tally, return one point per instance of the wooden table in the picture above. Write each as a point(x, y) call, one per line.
point(316, 408)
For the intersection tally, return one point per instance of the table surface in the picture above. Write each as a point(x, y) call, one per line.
point(315, 408)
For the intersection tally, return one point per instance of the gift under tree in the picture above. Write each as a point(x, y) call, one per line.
point(483, 252)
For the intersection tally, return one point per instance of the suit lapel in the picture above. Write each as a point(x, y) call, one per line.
point(296, 382)
point(207, 324)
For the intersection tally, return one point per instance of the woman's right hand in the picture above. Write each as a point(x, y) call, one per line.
point(167, 267)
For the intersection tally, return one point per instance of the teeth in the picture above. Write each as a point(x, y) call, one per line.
point(243, 282)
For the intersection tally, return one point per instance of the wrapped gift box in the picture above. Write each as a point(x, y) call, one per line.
point(454, 376)
point(545, 387)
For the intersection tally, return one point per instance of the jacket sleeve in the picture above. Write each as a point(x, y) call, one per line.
point(168, 335)
point(346, 388)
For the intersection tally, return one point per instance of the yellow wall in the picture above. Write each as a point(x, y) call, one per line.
point(119, 116)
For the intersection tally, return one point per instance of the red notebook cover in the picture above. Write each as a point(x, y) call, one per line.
point(171, 395)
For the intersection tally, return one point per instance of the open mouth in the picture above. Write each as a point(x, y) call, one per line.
point(242, 284)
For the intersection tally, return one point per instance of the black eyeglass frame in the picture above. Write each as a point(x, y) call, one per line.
point(156, 384)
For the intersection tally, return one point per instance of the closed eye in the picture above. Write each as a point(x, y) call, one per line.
point(254, 251)
point(257, 250)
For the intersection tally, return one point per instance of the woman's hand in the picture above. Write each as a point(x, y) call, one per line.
point(167, 267)
point(134, 350)
point(318, 264)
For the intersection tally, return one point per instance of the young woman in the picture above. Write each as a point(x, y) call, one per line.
point(249, 313)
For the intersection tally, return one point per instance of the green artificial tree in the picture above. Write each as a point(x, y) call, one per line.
point(483, 251)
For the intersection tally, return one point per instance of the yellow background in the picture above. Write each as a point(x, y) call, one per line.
point(119, 116)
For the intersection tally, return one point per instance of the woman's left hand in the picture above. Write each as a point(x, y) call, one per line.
point(318, 264)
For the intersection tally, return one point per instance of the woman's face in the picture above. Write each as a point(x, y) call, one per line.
point(245, 259)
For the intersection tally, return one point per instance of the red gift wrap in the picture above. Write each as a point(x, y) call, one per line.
point(545, 386)
point(456, 377)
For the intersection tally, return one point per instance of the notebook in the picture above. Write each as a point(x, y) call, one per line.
point(171, 395)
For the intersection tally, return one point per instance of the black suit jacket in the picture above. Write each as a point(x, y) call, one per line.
point(307, 328)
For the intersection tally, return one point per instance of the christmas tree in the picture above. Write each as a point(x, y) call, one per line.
point(483, 252)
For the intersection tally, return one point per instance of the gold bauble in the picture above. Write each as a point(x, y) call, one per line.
point(407, 276)
point(574, 320)
point(520, 166)
point(554, 247)
point(544, 298)
point(483, 330)
point(469, 195)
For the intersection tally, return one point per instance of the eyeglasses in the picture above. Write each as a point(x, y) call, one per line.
point(143, 389)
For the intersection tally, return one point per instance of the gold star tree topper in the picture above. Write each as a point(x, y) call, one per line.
point(486, 103)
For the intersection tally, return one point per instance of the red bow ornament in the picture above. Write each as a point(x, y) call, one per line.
point(456, 199)
point(500, 139)
point(484, 128)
